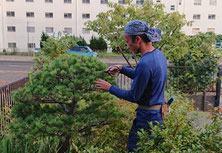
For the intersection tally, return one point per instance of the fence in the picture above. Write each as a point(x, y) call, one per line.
point(6, 101)
point(205, 100)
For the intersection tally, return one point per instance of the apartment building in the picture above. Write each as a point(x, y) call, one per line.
point(23, 21)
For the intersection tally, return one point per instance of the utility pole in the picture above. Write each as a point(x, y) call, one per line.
point(27, 36)
point(3, 27)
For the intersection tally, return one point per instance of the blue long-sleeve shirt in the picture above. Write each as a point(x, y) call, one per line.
point(149, 80)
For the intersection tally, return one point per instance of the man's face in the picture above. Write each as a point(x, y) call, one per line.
point(133, 46)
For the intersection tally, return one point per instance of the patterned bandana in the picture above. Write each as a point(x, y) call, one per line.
point(138, 27)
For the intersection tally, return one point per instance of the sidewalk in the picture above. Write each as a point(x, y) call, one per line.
point(16, 58)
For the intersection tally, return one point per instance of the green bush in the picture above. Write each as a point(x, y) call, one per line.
point(82, 41)
point(44, 38)
point(98, 44)
point(179, 133)
point(61, 101)
point(201, 63)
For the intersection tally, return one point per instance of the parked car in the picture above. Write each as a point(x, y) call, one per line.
point(83, 50)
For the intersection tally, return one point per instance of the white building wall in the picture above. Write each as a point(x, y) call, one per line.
point(204, 10)
point(21, 37)
point(1, 25)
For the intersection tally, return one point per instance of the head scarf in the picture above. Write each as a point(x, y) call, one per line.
point(138, 27)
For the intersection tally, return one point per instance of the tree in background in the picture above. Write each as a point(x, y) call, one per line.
point(44, 38)
point(180, 50)
point(110, 26)
point(98, 44)
point(219, 38)
point(82, 41)
point(200, 61)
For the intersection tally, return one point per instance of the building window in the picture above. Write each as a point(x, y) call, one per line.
point(210, 29)
point(48, 15)
point(49, 29)
point(30, 14)
point(139, 2)
point(104, 1)
point(197, 2)
point(196, 16)
point(213, 2)
point(195, 30)
point(172, 7)
point(86, 16)
point(211, 16)
point(29, 0)
point(67, 1)
point(30, 29)
point(10, 13)
point(11, 45)
point(48, 1)
point(31, 45)
point(158, 1)
point(180, 2)
point(11, 28)
point(86, 1)
point(67, 15)
point(122, 2)
point(85, 31)
point(68, 30)
point(9, 0)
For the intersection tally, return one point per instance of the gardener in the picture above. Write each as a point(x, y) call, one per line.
point(149, 78)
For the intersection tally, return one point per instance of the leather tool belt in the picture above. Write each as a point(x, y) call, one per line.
point(153, 107)
point(164, 108)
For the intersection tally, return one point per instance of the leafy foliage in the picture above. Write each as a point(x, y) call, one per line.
point(44, 38)
point(110, 25)
point(82, 41)
point(193, 52)
point(98, 44)
point(60, 100)
point(201, 63)
point(63, 81)
point(219, 38)
point(55, 46)
point(179, 134)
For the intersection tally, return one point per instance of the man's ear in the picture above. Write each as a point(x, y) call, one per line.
point(138, 39)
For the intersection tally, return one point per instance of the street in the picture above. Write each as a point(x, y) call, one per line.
point(13, 68)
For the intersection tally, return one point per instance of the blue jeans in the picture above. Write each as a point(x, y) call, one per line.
point(141, 122)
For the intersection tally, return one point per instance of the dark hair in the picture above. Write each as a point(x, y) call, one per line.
point(143, 36)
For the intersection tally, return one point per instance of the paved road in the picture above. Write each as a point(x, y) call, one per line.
point(13, 68)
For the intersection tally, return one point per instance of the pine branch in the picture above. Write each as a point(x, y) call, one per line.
point(93, 125)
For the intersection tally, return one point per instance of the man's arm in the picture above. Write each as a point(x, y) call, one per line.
point(129, 72)
point(113, 70)
point(134, 94)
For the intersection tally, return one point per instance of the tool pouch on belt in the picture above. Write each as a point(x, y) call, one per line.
point(164, 110)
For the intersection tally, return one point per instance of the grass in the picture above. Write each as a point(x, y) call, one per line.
point(18, 53)
point(101, 54)
point(108, 54)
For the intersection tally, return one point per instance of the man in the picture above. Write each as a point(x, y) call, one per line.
point(149, 78)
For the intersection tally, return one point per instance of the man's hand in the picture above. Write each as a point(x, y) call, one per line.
point(103, 85)
point(113, 70)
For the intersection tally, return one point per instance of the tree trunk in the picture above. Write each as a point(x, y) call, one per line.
point(63, 145)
